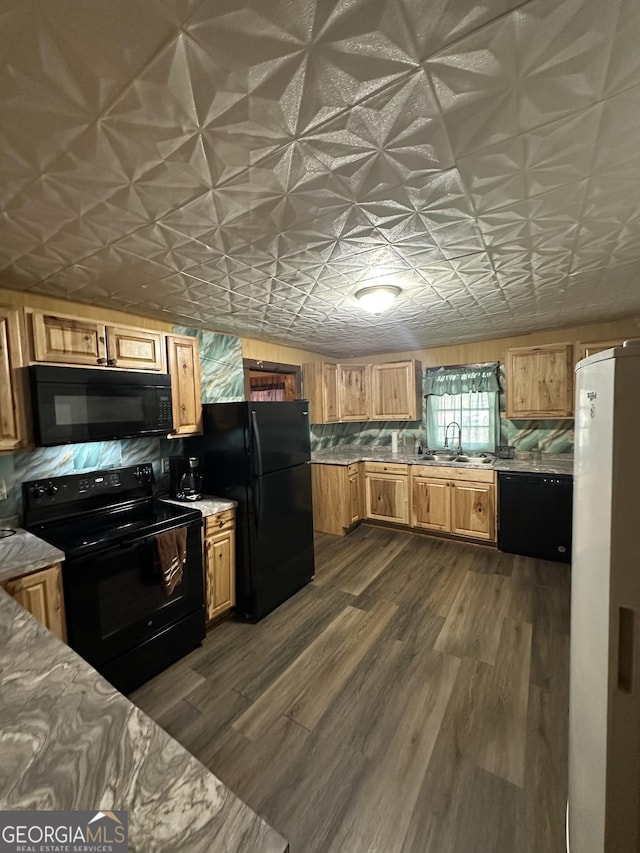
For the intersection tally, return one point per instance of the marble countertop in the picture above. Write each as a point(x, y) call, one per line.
point(68, 740)
point(25, 553)
point(346, 455)
point(207, 505)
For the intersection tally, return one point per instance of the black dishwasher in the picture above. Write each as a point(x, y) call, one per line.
point(535, 515)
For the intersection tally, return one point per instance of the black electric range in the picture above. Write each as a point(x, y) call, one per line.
point(120, 617)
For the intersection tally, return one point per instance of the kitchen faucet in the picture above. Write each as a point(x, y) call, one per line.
point(446, 435)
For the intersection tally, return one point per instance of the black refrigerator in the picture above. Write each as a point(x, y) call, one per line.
point(259, 455)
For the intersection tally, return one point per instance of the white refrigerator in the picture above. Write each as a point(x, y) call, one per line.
point(604, 693)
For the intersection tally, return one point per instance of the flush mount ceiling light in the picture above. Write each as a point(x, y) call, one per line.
point(379, 297)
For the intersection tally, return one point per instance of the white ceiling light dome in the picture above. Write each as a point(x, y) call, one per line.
point(378, 297)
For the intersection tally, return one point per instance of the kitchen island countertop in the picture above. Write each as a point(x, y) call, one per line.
point(70, 741)
point(557, 463)
point(23, 553)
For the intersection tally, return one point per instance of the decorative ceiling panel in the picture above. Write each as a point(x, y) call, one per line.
point(248, 166)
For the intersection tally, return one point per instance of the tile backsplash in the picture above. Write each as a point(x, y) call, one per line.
point(222, 380)
point(552, 436)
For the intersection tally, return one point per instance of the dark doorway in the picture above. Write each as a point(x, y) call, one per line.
point(271, 381)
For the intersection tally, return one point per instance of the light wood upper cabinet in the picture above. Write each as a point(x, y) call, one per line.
point(135, 349)
point(337, 497)
point(68, 340)
point(184, 369)
point(386, 492)
point(353, 391)
point(41, 594)
point(330, 401)
point(540, 382)
point(14, 432)
point(220, 563)
point(60, 339)
point(396, 391)
point(363, 392)
point(320, 381)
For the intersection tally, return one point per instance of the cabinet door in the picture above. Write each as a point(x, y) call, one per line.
point(219, 553)
point(473, 511)
point(394, 392)
point(13, 422)
point(355, 498)
point(66, 340)
point(184, 369)
point(41, 594)
point(331, 507)
point(387, 497)
point(431, 504)
point(135, 349)
point(540, 382)
point(330, 406)
point(353, 390)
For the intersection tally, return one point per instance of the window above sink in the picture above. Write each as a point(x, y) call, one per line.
point(466, 395)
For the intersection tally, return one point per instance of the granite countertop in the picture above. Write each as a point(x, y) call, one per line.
point(346, 455)
point(70, 741)
point(207, 505)
point(25, 553)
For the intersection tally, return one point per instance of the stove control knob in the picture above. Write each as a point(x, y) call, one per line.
point(51, 490)
point(37, 492)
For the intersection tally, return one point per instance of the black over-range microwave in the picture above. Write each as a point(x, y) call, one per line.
point(76, 404)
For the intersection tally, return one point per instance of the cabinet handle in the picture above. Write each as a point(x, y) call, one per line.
point(101, 339)
point(112, 361)
point(101, 360)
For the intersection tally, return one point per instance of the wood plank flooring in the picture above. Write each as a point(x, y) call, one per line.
point(412, 699)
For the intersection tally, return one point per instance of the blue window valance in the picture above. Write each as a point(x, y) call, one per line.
point(462, 379)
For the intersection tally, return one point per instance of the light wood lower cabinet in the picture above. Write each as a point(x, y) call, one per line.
point(337, 497)
point(457, 501)
point(431, 504)
point(220, 563)
point(386, 490)
point(41, 594)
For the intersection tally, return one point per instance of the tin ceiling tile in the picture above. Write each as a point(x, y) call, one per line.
point(236, 165)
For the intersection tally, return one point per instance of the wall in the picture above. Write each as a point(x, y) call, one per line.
point(222, 380)
point(264, 351)
point(19, 299)
point(221, 370)
point(549, 436)
point(494, 350)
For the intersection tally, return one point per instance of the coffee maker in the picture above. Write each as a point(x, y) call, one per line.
point(185, 483)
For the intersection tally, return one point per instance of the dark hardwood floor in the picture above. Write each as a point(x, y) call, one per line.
point(413, 699)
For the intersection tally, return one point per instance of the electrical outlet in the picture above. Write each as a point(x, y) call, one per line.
point(3, 491)
point(165, 465)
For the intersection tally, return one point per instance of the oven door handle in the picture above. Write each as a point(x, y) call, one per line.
point(130, 543)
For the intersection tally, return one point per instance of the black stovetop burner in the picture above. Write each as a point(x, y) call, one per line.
point(80, 513)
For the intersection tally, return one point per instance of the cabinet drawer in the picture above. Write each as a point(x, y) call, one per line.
point(385, 468)
point(220, 521)
point(437, 472)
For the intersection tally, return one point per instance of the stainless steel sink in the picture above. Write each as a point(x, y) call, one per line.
point(459, 458)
